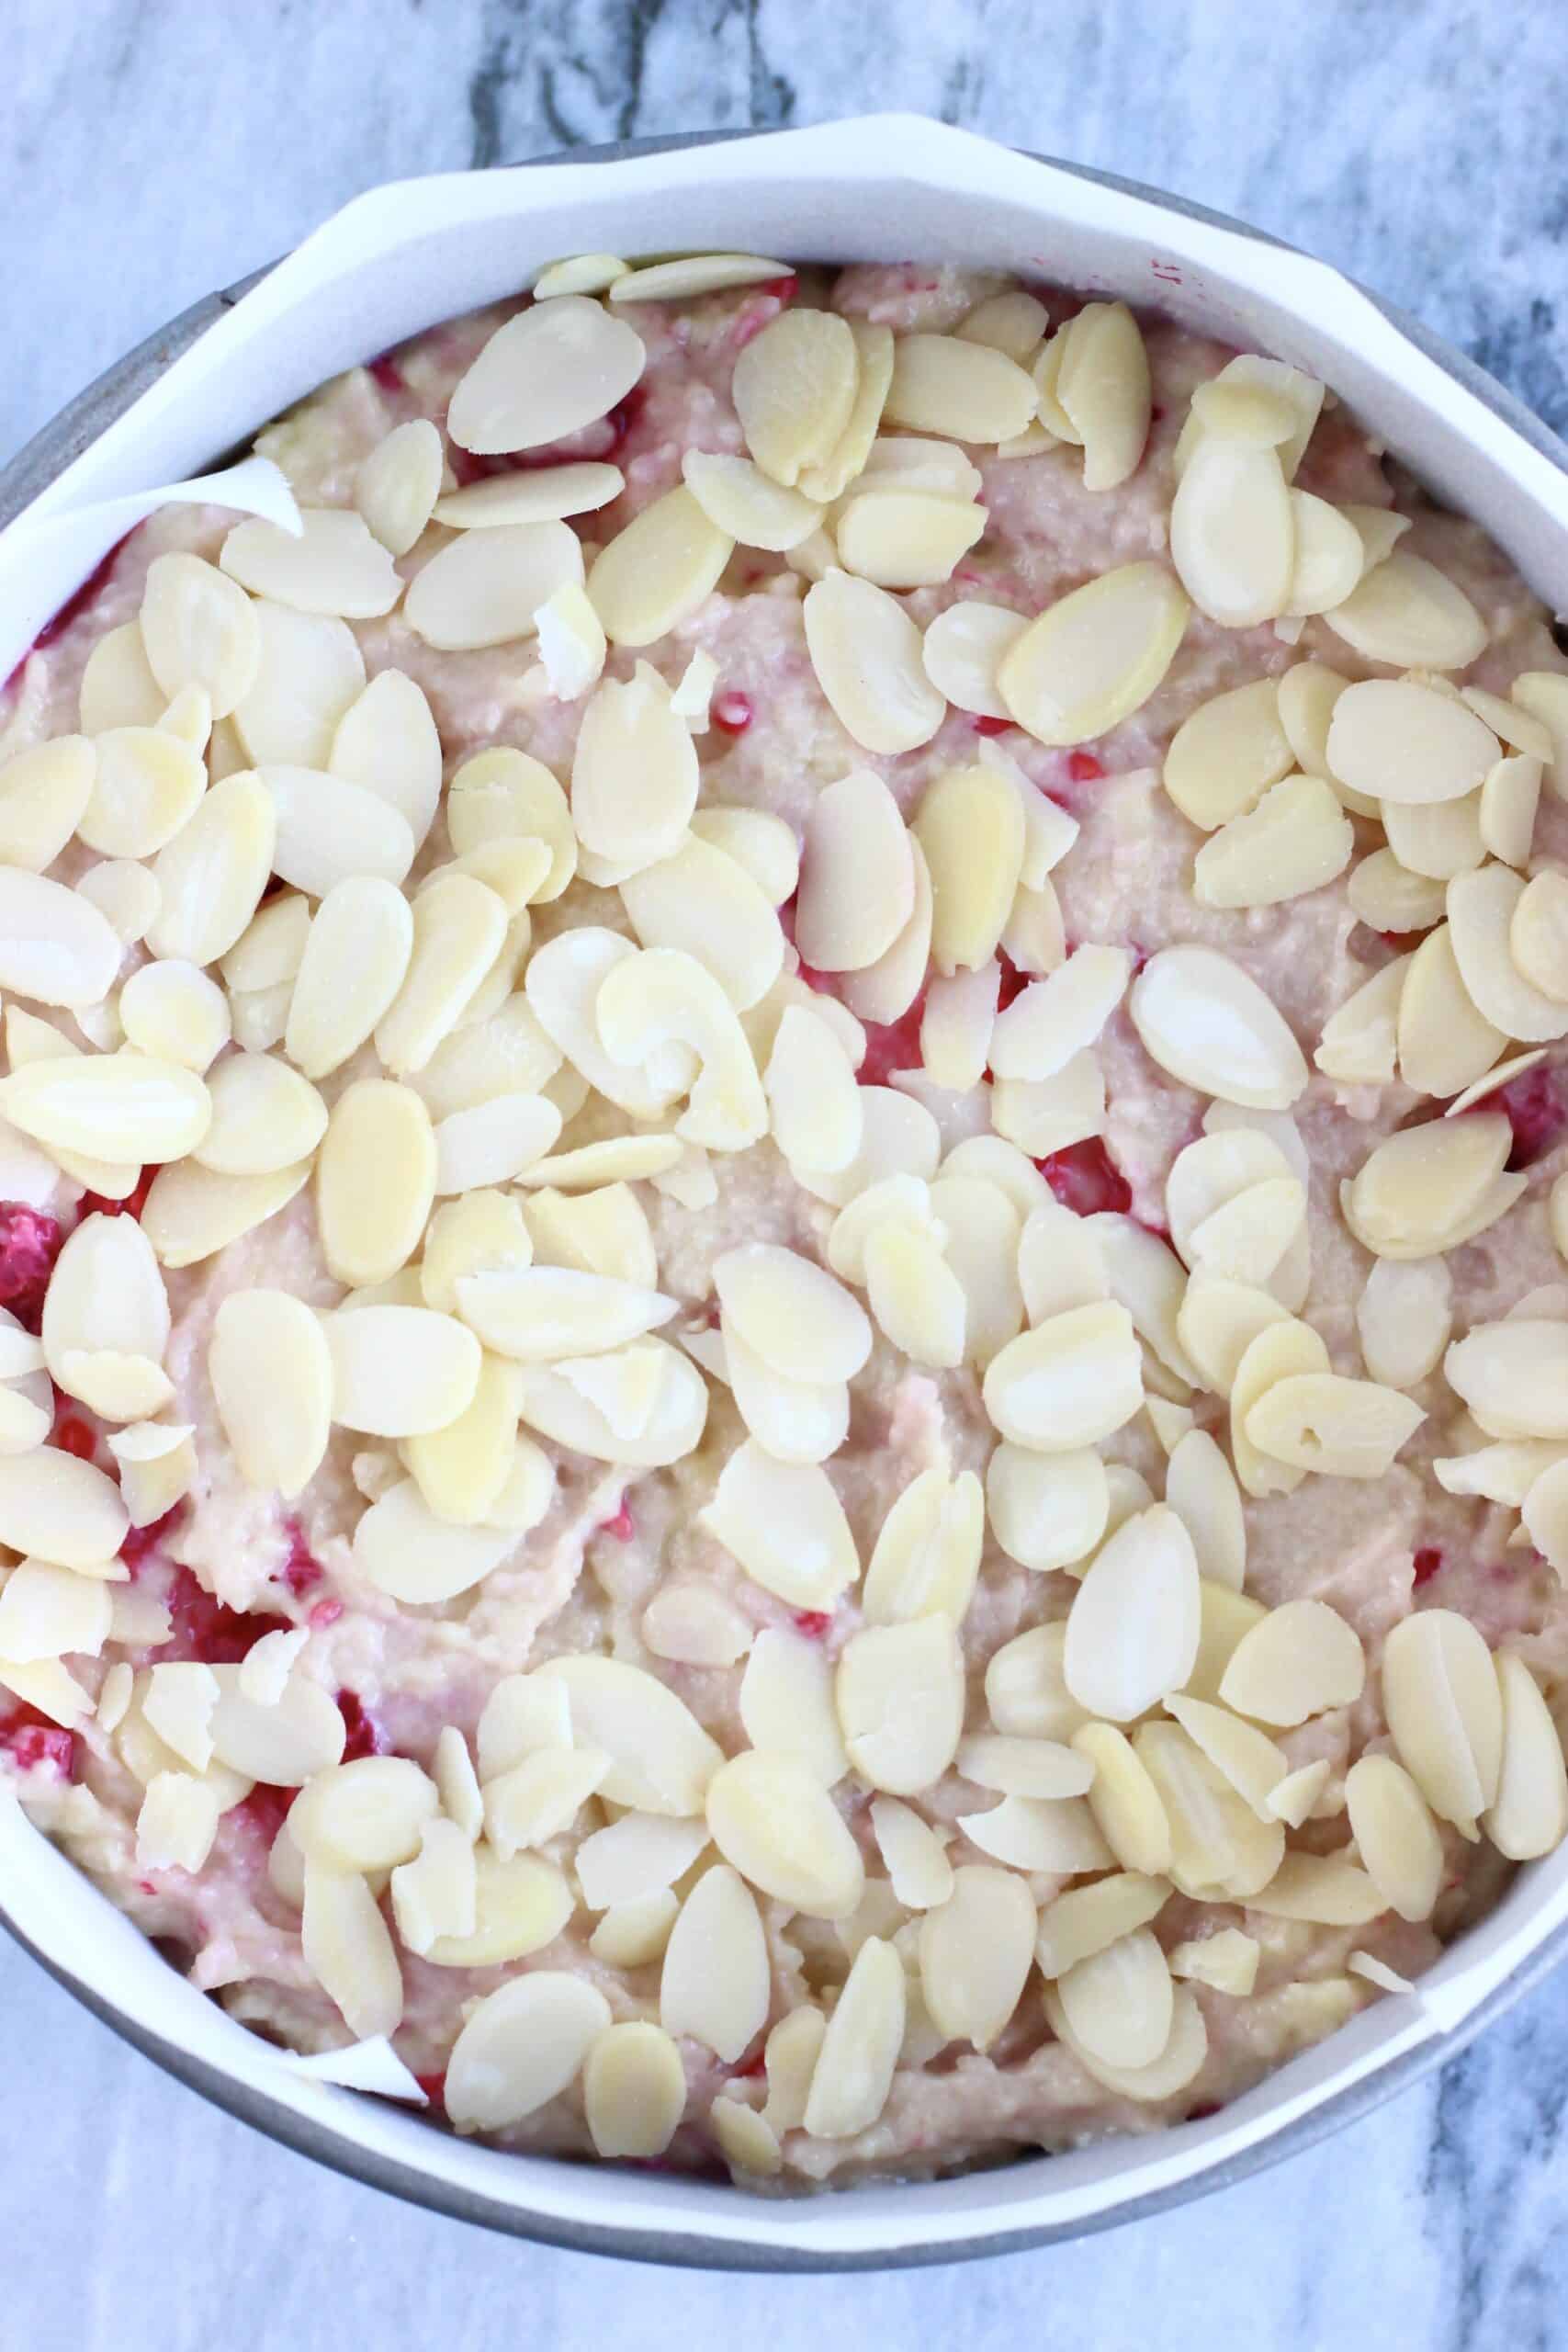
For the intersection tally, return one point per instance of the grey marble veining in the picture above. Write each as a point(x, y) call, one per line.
point(154, 151)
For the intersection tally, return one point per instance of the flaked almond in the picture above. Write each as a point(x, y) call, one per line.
point(1408, 613)
point(375, 1180)
point(1095, 656)
point(124, 1105)
point(899, 1693)
point(1445, 1713)
point(191, 1212)
point(866, 655)
point(1395, 1835)
point(354, 961)
point(1232, 537)
point(502, 795)
point(1224, 757)
point(1206, 1021)
point(1046, 1510)
point(1295, 840)
point(967, 391)
point(786, 1703)
point(311, 672)
point(975, 1950)
point(1404, 1317)
point(1424, 1189)
point(1127, 1805)
point(1325, 1889)
point(386, 740)
point(906, 538)
point(963, 648)
point(521, 2046)
point(1074, 1379)
point(486, 587)
point(793, 388)
point(1279, 1350)
point(271, 1380)
point(1201, 1488)
point(857, 876)
point(774, 1823)
point(1482, 907)
point(197, 628)
point(785, 1524)
point(44, 793)
point(397, 485)
point(546, 374)
point(212, 876)
point(1388, 897)
point(654, 575)
point(171, 1011)
point(1509, 799)
point(1341, 1427)
point(1133, 1627)
point(1528, 1816)
point(332, 565)
point(1401, 741)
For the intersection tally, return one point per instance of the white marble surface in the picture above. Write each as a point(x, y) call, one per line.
point(154, 152)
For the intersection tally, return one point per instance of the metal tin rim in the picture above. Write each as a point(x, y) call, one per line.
point(35, 466)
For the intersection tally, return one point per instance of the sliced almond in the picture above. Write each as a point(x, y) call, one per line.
point(1233, 532)
point(964, 389)
point(1322, 1888)
point(1341, 1427)
point(1095, 656)
point(1408, 613)
point(657, 571)
point(899, 1693)
point(521, 2045)
point(1224, 757)
point(375, 1180)
point(1401, 741)
point(1422, 1188)
point(857, 876)
point(1530, 1814)
point(1388, 897)
point(1206, 1021)
point(1201, 1488)
point(1445, 1713)
point(212, 876)
point(1071, 1381)
point(197, 628)
point(1279, 1350)
point(793, 388)
point(271, 1380)
point(1395, 1835)
point(773, 1820)
point(866, 654)
point(786, 1703)
point(332, 565)
point(1133, 1628)
point(1127, 1805)
point(1295, 840)
point(545, 375)
point(975, 1950)
point(963, 648)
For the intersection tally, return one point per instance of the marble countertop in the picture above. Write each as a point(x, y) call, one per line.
point(154, 153)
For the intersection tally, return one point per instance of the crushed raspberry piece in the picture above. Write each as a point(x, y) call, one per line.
point(748, 2069)
point(71, 1434)
point(29, 1244)
point(384, 370)
point(75, 605)
point(783, 290)
point(135, 1201)
point(812, 1623)
point(366, 1736)
point(324, 1614)
point(984, 726)
point(1536, 1110)
point(301, 1572)
point(1013, 982)
point(623, 1527)
point(140, 1541)
point(1201, 2112)
point(1085, 1177)
point(1428, 1560)
point(731, 712)
point(1084, 768)
point(265, 1809)
point(205, 1629)
point(434, 2089)
point(36, 1745)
